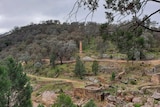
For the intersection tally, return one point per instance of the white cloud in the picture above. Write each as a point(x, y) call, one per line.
point(3, 30)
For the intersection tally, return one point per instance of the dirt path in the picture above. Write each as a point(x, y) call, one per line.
point(152, 62)
point(76, 83)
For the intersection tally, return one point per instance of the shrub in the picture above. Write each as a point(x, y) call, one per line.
point(95, 67)
point(113, 76)
point(64, 101)
point(137, 105)
point(79, 68)
point(133, 82)
point(90, 104)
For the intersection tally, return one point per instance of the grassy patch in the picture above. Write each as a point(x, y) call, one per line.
point(56, 87)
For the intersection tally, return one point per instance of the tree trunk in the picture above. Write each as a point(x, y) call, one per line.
point(61, 60)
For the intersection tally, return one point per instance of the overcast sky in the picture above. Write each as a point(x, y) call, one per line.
point(23, 12)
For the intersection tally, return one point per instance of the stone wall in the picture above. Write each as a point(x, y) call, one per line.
point(88, 93)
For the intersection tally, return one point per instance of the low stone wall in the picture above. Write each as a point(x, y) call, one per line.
point(89, 92)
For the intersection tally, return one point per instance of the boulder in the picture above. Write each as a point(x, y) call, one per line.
point(110, 105)
point(129, 105)
point(156, 95)
point(150, 100)
point(129, 98)
point(136, 100)
point(119, 100)
point(87, 58)
point(105, 56)
point(48, 97)
point(149, 103)
point(111, 98)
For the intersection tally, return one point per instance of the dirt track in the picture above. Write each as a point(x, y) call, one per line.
point(152, 62)
point(75, 82)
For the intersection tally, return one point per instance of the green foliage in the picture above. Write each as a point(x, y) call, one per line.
point(127, 42)
point(4, 86)
point(53, 72)
point(112, 90)
point(52, 59)
point(79, 68)
point(113, 76)
point(37, 66)
point(90, 104)
point(16, 90)
point(40, 105)
point(137, 105)
point(95, 67)
point(133, 82)
point(63, 101)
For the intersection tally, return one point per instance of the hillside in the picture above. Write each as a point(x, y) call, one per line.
point(38, 39)
point(127, 63)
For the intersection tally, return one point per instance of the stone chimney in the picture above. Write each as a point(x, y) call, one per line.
point(80, 47)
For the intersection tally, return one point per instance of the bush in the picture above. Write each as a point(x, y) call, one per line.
point(113, 76)
point(95, 67)
point(64, 101)
point(133, 82)
point(137, 105)
point(37, 66)
point(79, 68)
point(40, 105)
point(90, 104)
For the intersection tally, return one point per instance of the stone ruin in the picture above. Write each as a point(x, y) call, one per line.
point(90, 91)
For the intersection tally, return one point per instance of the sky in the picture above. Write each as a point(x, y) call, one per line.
point(23, 12)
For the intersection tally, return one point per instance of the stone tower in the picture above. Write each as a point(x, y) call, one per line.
point(80, 47)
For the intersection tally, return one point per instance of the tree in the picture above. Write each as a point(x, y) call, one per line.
point(63, 101)
point(52, 59)
point(90, 104)
point(132, 43)
point(37, 66)
point(95, 67)
point(79, 68)
point(119, 9)
point(4, 86)
point(16, 91)
point(64, 49)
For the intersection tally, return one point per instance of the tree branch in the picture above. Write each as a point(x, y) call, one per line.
point(150, 28)
point(141, 22)
point(149, 16)
point(155, 1)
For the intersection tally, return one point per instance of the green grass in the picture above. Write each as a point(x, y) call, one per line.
point(55, 87)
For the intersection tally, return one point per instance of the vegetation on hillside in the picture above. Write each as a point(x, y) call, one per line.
point(43, 49)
